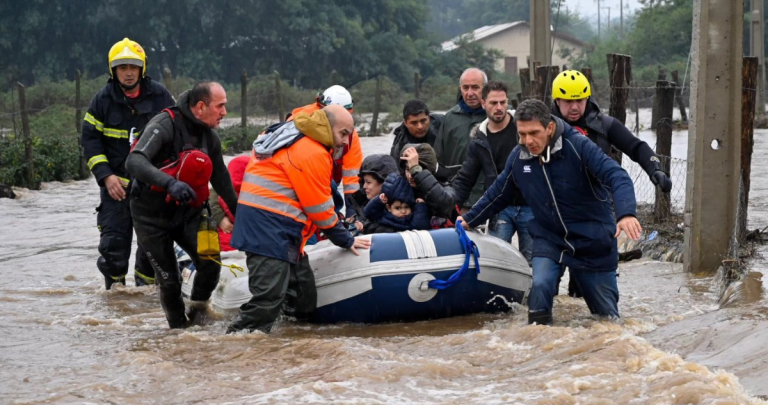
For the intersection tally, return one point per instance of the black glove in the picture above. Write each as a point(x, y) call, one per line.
point(180, 191)
point(661, 179)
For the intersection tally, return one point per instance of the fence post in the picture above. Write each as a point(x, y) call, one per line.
point(334, 77)
point(525, 84)
point(679, 98)
point(514, 103)
point(749, 77)
point(637, 115)
point(619, 77)
point(416, 81)
point(13, 114)
point(82, 166)
point(168, 79)
point(279, 91)
point(376, 107)
point(587, 72)
point(665, 94)
point(543, 78)
point(29, 173)
point(244, 104)
point(655, 111)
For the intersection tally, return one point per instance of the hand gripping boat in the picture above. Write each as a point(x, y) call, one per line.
point(406, 276)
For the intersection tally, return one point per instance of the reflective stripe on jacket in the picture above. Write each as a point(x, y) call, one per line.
point(108, 123)
point(283, 199)
point(347, 166)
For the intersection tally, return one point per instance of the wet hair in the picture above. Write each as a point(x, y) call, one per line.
point(201, 91)
point(533, 110)
point(414, 107)
point(494, 86)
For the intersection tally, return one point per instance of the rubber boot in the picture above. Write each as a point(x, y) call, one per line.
point(109, 281)
point(540, 318)
point(195, 311)
point(141, 279)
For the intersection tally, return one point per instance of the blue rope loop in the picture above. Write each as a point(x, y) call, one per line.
point(470, 249)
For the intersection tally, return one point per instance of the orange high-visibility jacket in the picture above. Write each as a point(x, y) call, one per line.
point(286, 196)
point(346, 167)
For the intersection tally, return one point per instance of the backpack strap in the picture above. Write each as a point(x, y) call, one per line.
point(184, 142)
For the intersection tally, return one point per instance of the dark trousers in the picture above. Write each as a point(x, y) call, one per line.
point(158, 225)
point(116, 227)
point(272, 283)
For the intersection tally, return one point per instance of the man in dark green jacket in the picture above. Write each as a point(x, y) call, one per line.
point(453, 138)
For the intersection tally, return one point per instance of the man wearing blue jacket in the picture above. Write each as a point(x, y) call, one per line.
point(568, 182)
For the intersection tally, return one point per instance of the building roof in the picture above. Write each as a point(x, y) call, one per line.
point(488, 30)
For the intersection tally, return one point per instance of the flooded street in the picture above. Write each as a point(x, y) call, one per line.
point(64, 339)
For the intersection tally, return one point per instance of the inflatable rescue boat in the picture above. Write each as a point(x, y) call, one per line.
point(406, 276)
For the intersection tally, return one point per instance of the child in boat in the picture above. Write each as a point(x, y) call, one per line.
point(395, 209)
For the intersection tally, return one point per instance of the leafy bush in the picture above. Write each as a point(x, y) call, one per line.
point(55, 146)
point(233, 141)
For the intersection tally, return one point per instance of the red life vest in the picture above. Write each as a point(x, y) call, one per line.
point(191, 165)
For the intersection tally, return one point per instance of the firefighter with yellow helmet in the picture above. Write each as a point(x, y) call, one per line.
point(116, 115)
point(572, 101)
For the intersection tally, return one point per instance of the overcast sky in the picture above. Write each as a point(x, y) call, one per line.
point(588, 8)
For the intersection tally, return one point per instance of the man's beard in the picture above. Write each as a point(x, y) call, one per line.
point(497, 119)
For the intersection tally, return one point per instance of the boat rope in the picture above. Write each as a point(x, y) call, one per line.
point(470, 249)
point(232, 267)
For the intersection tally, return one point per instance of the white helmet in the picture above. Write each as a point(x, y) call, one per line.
point(336, 95)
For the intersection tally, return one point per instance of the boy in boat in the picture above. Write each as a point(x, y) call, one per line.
point(396, 209)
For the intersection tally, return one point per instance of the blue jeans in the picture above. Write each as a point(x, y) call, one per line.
point(515, 219)
point(601, 292)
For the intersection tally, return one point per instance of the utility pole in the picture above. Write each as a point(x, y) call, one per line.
point(757, 49)
point(714, 142)
point(621, 16)
point(540, 36)
point(598, 19)
point(609, 17)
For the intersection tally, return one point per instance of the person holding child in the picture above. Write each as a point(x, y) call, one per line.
point(396, 209)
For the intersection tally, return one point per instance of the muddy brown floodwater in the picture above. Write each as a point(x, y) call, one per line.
point(64, 339)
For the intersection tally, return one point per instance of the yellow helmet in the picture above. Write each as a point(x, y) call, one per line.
point(127, 52)
point(571, 85)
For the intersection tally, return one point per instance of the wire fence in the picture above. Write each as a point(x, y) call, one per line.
point(646, 191)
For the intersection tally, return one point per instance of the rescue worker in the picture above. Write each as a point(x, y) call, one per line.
point(453, 139)
point(572, 102)
point(172, 164)
point(347, 161)
point(286, 195)
point(568, 183)
point(120, 109)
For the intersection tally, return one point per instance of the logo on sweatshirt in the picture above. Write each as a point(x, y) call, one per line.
point(527, 169)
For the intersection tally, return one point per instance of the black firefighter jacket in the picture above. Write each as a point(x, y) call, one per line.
point(110, 120)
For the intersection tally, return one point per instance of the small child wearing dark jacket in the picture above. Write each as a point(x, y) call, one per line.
point(395, 209)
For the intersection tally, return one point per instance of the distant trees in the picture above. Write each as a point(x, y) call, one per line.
point(305, 40)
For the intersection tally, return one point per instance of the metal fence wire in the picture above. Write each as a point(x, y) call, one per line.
point(645, 190)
